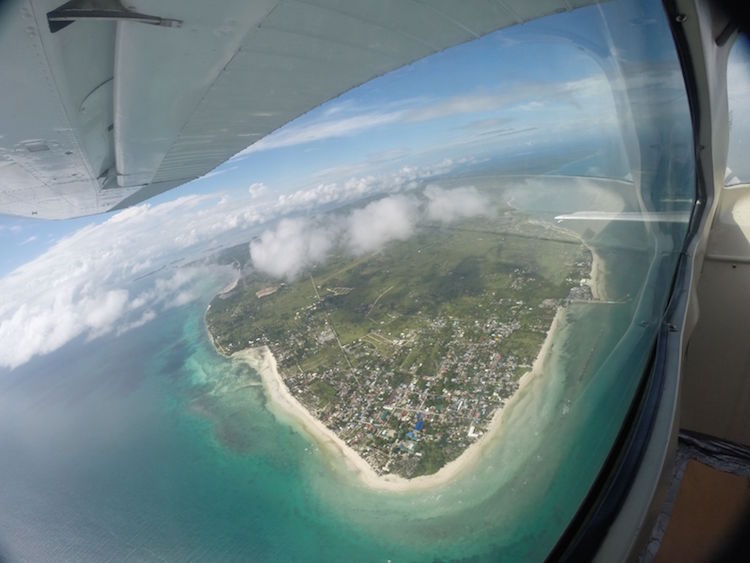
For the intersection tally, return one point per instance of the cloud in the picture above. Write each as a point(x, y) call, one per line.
point(294, 245)
point(331, 192)
point(171, 289)
point(297, 134)
point(347, 120)
point(297, 244)
point(106, 277)
point(466, 103)
point(391, 218)
point(357, 187)
point(531, 106)
point(257, 189)
point(119, 274)
point(447, 206)
point(218, 171)
point(147, 316)
point(351, 119)
point(39, 328)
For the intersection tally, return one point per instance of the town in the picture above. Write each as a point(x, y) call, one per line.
point(408, 353)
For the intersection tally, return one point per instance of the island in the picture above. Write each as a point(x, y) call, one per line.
point(407, 355)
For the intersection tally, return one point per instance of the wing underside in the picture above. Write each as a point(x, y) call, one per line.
point(104, 106)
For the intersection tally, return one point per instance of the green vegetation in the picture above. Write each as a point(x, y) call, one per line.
point(432, 331)
point(325, 392)
point(434, 455)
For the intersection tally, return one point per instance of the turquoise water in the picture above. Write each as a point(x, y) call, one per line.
point(152, 447)
point(185, 462)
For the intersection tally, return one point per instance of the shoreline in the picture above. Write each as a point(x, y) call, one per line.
point(598, 270)
point(224, 291)
point(289, 410)
point(598, 273)
point(231, 286)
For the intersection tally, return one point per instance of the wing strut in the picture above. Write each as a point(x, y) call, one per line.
point(103, 10)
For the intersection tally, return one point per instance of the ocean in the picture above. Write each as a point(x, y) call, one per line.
point(149, 446)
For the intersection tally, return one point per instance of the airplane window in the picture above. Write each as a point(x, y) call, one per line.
point(738, 92)
point(406, 326)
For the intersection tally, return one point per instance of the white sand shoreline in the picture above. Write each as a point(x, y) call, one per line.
point(598, 273)
point(231, 285)
point(287, 408)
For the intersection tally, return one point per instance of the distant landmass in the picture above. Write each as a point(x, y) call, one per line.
point(408, 354)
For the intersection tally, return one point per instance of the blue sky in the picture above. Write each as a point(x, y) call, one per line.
point(417, 115)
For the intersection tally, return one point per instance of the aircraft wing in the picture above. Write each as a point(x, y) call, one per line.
point(103, 106)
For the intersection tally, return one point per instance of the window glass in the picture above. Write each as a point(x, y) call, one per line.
point(406, 326)
point(738, 91)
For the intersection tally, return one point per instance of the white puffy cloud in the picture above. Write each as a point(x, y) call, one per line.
point(447, 206)
point(320, 194)
point(84, 286)
point(118, 275)
point(257, 189)
point(41, 327)
point(170, 289)
point(391, 218)
point(295, 244)
point(402, 179)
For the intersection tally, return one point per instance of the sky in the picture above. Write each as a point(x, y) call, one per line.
point(514, 90)
point(463, 102)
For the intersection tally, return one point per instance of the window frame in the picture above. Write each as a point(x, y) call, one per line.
point(649, 431)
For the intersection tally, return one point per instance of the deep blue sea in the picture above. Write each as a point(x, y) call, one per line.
point(152, 447)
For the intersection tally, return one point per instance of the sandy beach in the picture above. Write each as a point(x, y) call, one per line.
point(598, 273)
point(288, 409)
point(231, 285)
